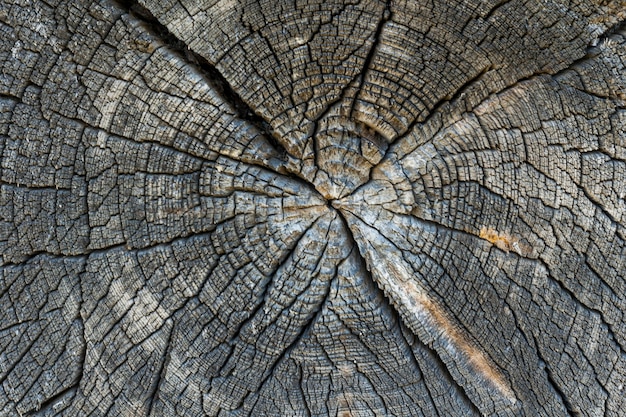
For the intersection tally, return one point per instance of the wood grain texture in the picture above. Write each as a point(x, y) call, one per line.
point(312, 208)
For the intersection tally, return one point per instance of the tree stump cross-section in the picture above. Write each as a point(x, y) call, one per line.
point(312, 208)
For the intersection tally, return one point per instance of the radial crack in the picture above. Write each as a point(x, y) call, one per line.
point(214, 76)
point(557, 390)
point(154, 396)
point(360, 77)
point(289, 348)
point(425, 318)
point(443, 367)
point(370, 55)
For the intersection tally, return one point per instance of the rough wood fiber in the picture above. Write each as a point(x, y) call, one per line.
point(312, 208)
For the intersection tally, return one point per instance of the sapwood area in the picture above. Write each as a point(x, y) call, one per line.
point(312, 208)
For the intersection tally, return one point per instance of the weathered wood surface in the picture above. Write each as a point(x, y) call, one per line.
point(311, 208)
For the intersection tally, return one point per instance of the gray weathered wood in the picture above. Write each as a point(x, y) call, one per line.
point(312, 208)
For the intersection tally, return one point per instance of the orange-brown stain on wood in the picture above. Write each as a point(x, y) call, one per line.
point(501, 240)
point(504, 241)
